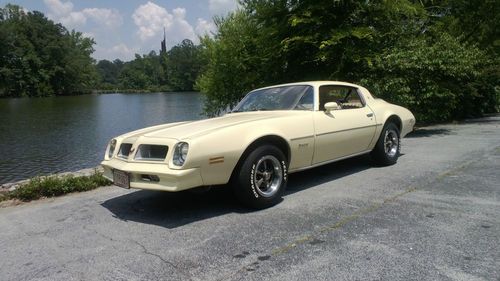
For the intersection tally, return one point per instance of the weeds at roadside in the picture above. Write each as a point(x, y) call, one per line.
point(52, 186)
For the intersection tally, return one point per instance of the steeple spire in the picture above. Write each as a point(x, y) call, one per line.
point(164, 43)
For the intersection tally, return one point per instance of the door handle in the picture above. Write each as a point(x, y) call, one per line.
point(369, 115)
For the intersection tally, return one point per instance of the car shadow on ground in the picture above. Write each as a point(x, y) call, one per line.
point(171, 210)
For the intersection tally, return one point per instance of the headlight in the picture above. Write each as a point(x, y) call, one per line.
point(112, 146)
point(180, 153)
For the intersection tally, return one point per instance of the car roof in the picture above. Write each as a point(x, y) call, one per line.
point(312, 83)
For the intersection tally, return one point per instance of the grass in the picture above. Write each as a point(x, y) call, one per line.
point(51, 186)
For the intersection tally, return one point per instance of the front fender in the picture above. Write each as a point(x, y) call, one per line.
point(217, 154)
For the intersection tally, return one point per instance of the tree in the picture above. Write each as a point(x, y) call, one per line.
point(237, 62)
point(176, 69)
point(40, 58)
point(109, 72)
point(402, 44)
point(470, 21)
point(438, 78)
point(184, 63)
point(143, 73)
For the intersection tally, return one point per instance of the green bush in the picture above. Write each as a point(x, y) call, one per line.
point(52, 186)
point(439, 59)
point(41, 58)
point(4, 196)
point(438, 79)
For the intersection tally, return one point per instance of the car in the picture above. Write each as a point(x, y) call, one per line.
point(270, 133)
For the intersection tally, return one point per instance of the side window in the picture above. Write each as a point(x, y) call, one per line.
point(345, 97)
point(306, 102)
point(352, 100)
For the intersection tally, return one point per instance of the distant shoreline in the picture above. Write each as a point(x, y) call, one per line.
point(132, 91)
point(105, 92)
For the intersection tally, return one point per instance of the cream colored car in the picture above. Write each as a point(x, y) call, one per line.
point(272, 132)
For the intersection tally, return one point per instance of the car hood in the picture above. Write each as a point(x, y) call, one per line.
point(192, 129)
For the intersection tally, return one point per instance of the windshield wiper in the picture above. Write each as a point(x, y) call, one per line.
point(255, 109)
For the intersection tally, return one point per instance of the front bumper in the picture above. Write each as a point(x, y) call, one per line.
point(169, 179)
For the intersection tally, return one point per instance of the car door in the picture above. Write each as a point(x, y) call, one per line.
point(343, 132)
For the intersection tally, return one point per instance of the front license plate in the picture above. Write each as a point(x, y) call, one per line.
point(121, 179)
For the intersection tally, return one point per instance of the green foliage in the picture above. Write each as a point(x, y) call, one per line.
point(470, 21)
point(183, 64)
point(175, 70)
point(40, 58)
point(144, 73)
point(3, 196)
point(108, 73)
point(237, 62)
point(438, 78)
point(431, 56)
point(52, 186)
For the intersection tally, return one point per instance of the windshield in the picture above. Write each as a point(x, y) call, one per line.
point(277, 98)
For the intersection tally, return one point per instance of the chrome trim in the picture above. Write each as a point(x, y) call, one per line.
point(322, 134)
point(328, 162)
point(391, 143)
point(299, 138)
point(267, 176)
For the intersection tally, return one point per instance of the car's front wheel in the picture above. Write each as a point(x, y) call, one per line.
point(262, 177)
point(388, 147)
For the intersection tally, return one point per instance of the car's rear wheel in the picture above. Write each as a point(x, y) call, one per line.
point(261, 178)
point(388, 147)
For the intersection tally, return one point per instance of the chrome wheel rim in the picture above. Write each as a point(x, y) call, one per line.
point(391, 143)
point(268, 176)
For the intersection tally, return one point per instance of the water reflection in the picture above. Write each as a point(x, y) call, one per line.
point(56, 134)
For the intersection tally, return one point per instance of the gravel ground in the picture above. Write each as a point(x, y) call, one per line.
point(435, 215)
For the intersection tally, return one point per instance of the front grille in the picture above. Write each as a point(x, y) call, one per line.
point(148, 152)
point(124, 150)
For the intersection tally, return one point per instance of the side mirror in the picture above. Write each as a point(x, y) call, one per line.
point(330, 106)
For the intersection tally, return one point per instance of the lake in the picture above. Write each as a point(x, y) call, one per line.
point(41, 136)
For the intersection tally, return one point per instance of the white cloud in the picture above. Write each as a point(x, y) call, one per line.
point(101, 24)
point(204, 27)
point(222, 7)
point(151, 19)
point(119, 51)
point(122, 51)
point(180, 28)
point(63, 12)
point(73, 19)
point(88, 34)
point(121, 48)
point(110, 18)
point(58, 8)
point(105, 25)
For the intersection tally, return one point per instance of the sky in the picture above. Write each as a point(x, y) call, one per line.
point(122, 28)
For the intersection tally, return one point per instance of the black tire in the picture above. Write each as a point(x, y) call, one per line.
point(388, 147)
point(261, 178)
